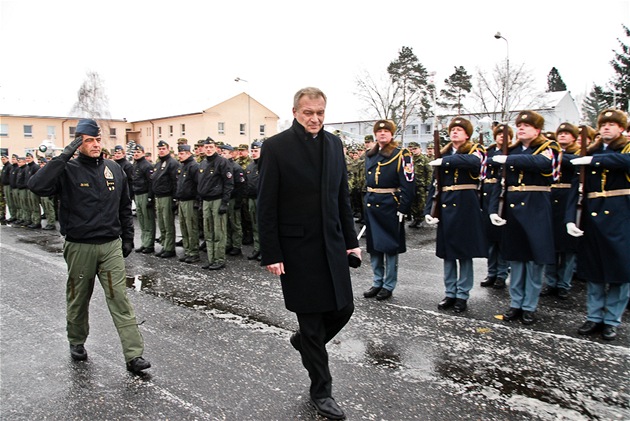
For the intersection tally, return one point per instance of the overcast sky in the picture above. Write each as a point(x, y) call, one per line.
point(160, 58)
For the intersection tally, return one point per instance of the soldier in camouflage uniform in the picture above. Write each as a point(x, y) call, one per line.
point(423, 174)
point(354, 183)
point(243, 159)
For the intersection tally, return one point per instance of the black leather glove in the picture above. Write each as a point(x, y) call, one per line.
point(127, 248)
point(71, 148)
point(222, 209)
point(150, 203)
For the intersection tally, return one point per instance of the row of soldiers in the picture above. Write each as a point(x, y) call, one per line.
point(549, 209)
point(23, 205)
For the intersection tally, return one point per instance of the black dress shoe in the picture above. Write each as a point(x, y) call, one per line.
point(167, 254)
point(609, 333)
point(563, 293)
point(460, 305)
point(254, 255)
point(383, 294)
point(512, 313)
point(372, 292)
point(148, 250)
point(528, 318)
point(328, 408)
point(235, 252)
point(547, 291)
point(78, 352)
point(489, 281)
point(447, 302)
point(215, 266)
point(193, 259)
point(138, 364)
point(499, 283)
point(590, 327)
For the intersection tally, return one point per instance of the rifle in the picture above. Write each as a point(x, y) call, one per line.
point(435, 206)
point(580, 203)
point(504, 151)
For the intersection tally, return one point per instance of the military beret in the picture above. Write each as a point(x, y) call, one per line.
point(105, 151)
point(368, 138)
point(162, 143)
point(413, 145)
point(499, 129)
point(614, 116)
point(532, 118)
point(201, 142)
point(256, 145)
point(463, 123)
point(182, 141)
point(227, 147)
point(118, 148)
point(5, 155)
point(242, 147)
point(88, 126)
point(20, 158)
point(138, 148)
point(29, 154)
point(567, 127)
point(386, 125)
point(183, 148)
point(590, 132)
point(550, 135)
point(14, 155)
point(209, 141)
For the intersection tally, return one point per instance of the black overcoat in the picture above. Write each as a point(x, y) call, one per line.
point(305, 219)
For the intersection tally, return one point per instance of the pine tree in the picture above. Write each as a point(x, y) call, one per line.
point(596, 101)
point(555, 82)
point(457, 86)
point(621, 81)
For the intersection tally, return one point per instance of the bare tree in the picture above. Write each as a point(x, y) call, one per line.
point(92, 102)
point(379, 96)
point(500, 96)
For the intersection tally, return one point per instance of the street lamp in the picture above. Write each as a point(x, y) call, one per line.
point(249, 130)
point(507, 72)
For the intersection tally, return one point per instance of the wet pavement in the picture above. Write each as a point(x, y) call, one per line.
point(218, 342)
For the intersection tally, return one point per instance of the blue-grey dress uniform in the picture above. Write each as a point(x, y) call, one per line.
point(605, 247)
point(527, 240)
point(390, 189)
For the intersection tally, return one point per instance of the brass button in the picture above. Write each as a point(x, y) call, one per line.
point(443, 205)
point(511, 205)
point(454, 204)
point(593, 213)
point(369, 204)
point(522, 203)
point(606, 212)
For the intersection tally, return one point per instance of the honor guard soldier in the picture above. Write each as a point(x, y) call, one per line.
point(390, 190)
point(186, 195)
point(605, 230)
point(251, 194)
point(497, 266)
point(422, 174)
point(532, 164)
point(164, 183)
point(145, 202)
point(97, 223)
point(460, 233)
point(214, 186)
point(559, 274)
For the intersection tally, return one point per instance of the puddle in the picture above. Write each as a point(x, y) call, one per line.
point(384, 355)
point(47, 243)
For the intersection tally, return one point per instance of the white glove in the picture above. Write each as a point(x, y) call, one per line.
point(583, 160)
point(572, 229)
point(431, 220)
point(497, 220)
point(436, 162)
point(499, 159)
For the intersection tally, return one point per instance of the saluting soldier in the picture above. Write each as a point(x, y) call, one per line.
point(145, 202)
point(497, 266)
point(164, 183)
point(559, 274)
point(460, 233)
point(422, 174)
point(532, 165)
point(603, 252)
point(215, 185)
point(390, 191)
point(186, 194)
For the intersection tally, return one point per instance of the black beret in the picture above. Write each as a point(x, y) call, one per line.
point(162, 143)
point(119, 148)
point(138, 148)
point(227, 147)
point(183, 147)
point(256, 145)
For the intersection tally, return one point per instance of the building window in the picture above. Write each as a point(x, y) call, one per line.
point(170, 131)
point(159, 131)
point(28, 131)
point(426, 129)
point(241, 129)
point(183, 129)
point(112, 132)
point(4, 130)
point(148, 131)
point(72, 130)
point(221, 128)
point(414, 129)
point(262, 130)
point(51, 132)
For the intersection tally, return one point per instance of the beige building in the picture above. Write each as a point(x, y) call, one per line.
point(238, 120)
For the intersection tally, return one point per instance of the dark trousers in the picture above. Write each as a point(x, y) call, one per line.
point(316, 330)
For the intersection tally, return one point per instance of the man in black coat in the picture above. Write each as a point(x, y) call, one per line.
point(306, 234)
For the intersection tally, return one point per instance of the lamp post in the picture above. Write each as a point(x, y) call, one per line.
point(249, 115)
point(507, 73)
